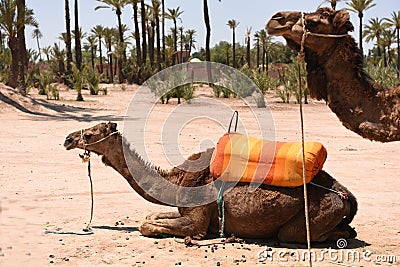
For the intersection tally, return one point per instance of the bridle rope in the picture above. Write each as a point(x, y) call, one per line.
point(86, 158)
point(300, 57)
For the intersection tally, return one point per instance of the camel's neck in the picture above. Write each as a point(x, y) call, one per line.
point(113, 155)
point(338, 77)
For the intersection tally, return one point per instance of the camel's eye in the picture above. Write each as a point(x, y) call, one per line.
point(88, 134)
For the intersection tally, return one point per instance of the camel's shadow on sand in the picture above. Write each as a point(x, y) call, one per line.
point(352, 243)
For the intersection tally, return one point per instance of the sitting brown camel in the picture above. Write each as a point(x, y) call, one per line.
point(335, 72)
point(266, 212)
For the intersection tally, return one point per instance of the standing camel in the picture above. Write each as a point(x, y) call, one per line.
point(335, 72)
point(266, 212)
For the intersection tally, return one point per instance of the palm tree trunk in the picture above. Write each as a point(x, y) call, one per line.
point(190, 47)
point(263, 60)
point(151, 44)
point(92, 54)
point(68, 39)
point(137, 35)
point(208, 37)
point(144, 43)
point(181, 37)
point(120, 31)
point(38, 45)
point(110, 63)
point(101, 56)
point(360, 39)
point(22, 58)
point(1, 42)
point(378, 44)
point(248, 52)
point(163, 29)
point(233, 48)
point(398, 52)
point(158, 43)
point(175, 43)
point(384, 57)
point(78, 49)
point(258, 55)
point(13, 74)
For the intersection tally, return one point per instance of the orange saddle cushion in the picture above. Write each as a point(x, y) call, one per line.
point(242, 158)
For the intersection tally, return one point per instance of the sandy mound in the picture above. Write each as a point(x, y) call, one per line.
point(11, 100)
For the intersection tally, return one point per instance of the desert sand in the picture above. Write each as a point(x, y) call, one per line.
point(44, 187)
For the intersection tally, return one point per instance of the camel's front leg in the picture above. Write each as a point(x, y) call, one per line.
point(193, 222)
point(163, 215)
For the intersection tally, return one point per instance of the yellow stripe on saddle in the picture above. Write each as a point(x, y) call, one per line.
point(241, 158)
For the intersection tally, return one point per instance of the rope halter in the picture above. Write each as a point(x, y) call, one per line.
point(306, 33)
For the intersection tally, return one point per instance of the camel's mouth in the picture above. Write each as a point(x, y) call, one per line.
point(282, 22)
point(69, 143)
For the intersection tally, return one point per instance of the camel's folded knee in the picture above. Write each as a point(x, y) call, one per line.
point(149, 229)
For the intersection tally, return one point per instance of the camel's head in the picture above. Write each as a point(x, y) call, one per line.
point(323, 21)
point(91, 135)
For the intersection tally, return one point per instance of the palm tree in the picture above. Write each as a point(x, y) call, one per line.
point(233, 24)
point(359, 6)
point(68, 38)
point(117, 6)
point(78, 48)
point(373, 30)
point(395, 22)
point(37, 34)
point(98, 31)
point(59, 55)
point(91, 40)
point(248, 33)
point(174, 14)
point(333, 3)
point(190, 35)
point(266, 44)
point(108, 35)
point(13, 18)
point(47, 51)
point(388, 38)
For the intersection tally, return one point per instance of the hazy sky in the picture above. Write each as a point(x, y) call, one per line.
point(250, 13)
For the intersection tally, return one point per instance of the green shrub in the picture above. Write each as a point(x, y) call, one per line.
point(92, 79)
point(384, 76)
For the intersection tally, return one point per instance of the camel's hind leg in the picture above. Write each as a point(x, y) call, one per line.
point(325, 214)
point(193, 222)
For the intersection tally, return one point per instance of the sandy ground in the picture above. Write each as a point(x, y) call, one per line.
point(44, 187)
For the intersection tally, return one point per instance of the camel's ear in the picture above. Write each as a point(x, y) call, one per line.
point(113, 126)
point(341, 18)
